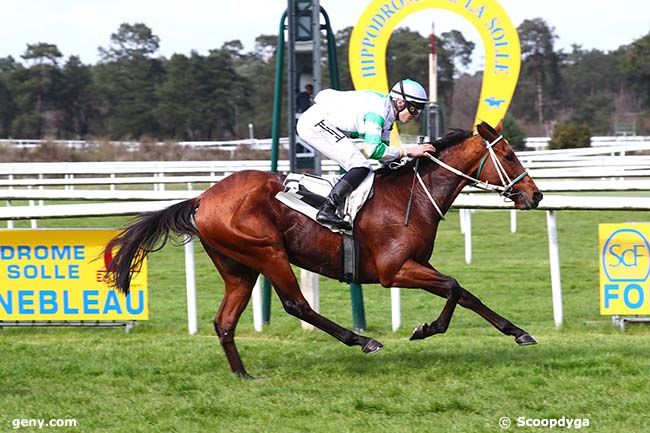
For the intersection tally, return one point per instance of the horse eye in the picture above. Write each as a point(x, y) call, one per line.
point(510, 156)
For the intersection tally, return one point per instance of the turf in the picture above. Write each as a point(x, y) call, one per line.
point(159, 379)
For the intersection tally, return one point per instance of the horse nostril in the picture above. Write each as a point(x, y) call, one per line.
point(538, 196)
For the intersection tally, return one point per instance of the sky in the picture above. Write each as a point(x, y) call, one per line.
point(79, 27)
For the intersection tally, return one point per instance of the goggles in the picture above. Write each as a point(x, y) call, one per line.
point(413, 110)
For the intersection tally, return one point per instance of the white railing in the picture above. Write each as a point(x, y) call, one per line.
point(231, 145)
point(566, 170)
point(550, 203)
point(535, 143)
point(541, 143)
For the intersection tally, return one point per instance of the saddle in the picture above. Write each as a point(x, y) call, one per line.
point(306, 193)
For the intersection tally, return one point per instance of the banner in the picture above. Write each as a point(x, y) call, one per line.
point(370, 36)
point(60, 275)
point(624, 268)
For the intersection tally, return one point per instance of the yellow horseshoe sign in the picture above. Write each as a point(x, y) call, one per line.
point(502, 50)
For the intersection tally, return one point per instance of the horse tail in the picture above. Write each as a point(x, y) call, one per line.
point(149, 232)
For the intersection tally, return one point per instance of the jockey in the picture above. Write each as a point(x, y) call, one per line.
point(337, 116)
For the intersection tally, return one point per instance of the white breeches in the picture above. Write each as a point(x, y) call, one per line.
point(314, 128)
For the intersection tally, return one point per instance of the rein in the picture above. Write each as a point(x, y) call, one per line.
point(505, 189)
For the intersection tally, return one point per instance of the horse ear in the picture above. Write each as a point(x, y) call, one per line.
point(487, 131)
point(483, 130)
point(499, 127)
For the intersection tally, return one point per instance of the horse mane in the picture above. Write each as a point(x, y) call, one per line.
point(450, 139)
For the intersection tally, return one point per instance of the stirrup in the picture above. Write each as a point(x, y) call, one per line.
point(324, 216)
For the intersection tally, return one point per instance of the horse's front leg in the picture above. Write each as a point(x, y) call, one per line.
point(404, 279)
point(415, 275)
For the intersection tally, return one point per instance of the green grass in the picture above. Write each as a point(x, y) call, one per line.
point(159, 379)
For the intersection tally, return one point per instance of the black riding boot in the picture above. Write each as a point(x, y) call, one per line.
point(336, 198)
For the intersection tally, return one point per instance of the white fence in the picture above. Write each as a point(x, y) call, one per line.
point(541, 143)
point(533, 143)
point(133, 146)
point(550, 203)
point(568, 171)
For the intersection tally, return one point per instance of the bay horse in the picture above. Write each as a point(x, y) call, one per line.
point(247, 232)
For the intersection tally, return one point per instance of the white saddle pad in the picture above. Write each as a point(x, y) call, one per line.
point(301, 190)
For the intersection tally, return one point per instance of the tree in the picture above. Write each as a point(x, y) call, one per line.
point(514, 134)
point(540, 79)
point(227, 94)
point(131, 41)
point(126, 79)
point(342, 52)
point(8, 108)
point(258, 71)
point(570, 135)
point(592, 81)
point(174, 110)
point(42, 52)
point(235, 48)
point(453, 52)
point(407, 56)
point(203, 97)
point(36, 92)
point(77, 98)
point(635, 63)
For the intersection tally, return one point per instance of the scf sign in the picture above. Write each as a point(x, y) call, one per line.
point(624, 268)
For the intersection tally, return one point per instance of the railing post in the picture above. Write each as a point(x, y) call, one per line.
point(468, 235)
point(10, 223)
point(258, 321)
point(190, 287)
point(554, 260)
point(395, 308)
point(310, 287)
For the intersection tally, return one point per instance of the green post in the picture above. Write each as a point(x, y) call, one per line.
point(277, 97)
point(356, 291)
point(275, 145)
point(266, 301)
point(358, 309)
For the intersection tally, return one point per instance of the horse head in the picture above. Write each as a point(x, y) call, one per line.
point(500, 166)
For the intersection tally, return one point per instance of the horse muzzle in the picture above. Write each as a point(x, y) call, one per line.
point(524, 202)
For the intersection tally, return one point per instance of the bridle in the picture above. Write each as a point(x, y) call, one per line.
point(506, 189)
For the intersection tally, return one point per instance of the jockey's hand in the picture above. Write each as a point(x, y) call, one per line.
point(419, 150)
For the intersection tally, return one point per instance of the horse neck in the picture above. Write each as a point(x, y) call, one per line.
point(445, 185)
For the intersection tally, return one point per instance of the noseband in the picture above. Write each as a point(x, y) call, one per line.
point(506, 189)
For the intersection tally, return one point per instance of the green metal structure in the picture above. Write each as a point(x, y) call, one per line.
point(294, 22)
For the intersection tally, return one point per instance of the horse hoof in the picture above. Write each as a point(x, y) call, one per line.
point(525, 340)
point(372, 346)
point(419, 332)
point(243, 375)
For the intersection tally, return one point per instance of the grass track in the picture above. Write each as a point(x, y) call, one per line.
point(159, 379)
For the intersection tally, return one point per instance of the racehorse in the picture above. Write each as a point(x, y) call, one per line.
point(247, 232)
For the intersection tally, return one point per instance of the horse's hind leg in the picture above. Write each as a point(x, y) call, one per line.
point(473, 303)
point(239, 281)
point(285, 284)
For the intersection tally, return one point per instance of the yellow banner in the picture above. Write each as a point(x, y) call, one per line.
point(370, 37)
point(60, 275)
point(624, 268)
